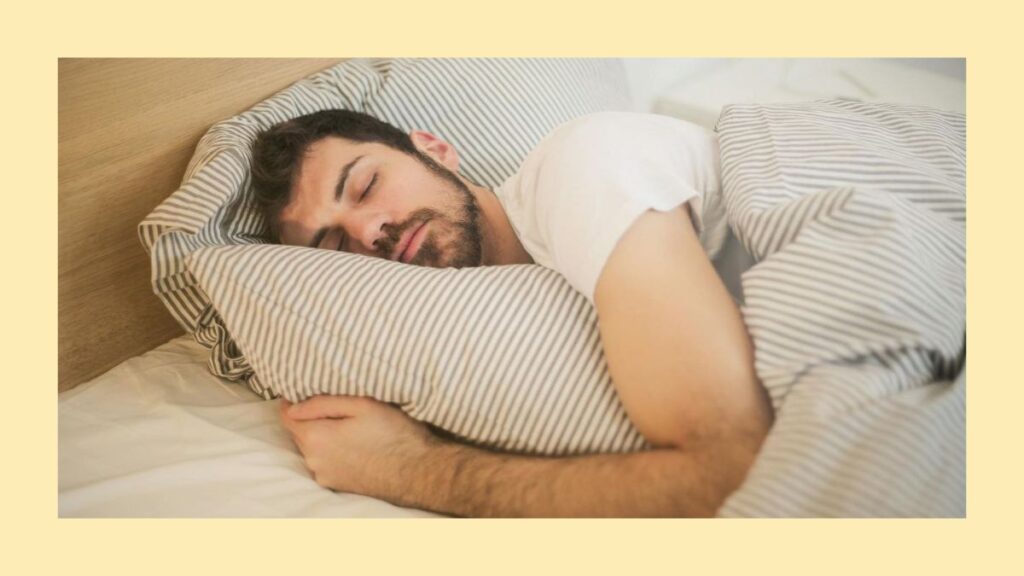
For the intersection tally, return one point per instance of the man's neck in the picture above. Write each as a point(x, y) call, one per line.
point(501, 244)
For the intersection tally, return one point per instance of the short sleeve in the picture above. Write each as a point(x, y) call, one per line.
point(593, 178)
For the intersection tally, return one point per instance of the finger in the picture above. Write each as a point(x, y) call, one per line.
point(282, 412)
point(299, 443)
point(328, 407)
point(296, 432)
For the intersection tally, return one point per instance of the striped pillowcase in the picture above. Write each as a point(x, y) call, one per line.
point(493, 110)
point(507, 357)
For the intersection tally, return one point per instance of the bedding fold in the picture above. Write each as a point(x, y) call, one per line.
point(855, 215)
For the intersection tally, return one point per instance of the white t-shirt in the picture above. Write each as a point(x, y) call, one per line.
point(586, 183)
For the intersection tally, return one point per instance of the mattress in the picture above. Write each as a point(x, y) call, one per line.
point(159, 436)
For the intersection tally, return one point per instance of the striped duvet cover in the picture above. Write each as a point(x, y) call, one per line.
point(855, 214)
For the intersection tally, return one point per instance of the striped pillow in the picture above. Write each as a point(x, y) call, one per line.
point(507, 357)
point(493, 110)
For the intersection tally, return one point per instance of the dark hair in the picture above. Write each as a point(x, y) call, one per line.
point(277, 153)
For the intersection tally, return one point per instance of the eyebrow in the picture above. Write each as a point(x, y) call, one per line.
point(338, 190)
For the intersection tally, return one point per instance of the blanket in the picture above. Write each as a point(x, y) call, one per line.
point(855, 216)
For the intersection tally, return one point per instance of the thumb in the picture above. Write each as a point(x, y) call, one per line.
point(326, 407)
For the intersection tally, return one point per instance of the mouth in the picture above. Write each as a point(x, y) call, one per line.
point(411, 243)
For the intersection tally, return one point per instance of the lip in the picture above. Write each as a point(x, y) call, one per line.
point(408, 249)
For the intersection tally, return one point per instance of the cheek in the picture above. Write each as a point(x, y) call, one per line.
point(413, 190)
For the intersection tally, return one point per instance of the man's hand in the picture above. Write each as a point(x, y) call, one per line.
point(357, 444)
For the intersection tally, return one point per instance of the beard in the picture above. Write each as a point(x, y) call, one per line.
point(454, 239)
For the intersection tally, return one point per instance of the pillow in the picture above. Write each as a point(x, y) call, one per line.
point(507, 357)
point(519, 346)
point(493, 110)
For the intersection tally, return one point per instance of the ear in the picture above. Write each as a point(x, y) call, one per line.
point(441, 151)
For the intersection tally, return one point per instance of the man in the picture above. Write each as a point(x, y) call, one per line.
point(613, 201)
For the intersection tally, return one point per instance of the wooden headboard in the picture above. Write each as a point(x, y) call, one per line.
point(127, 128)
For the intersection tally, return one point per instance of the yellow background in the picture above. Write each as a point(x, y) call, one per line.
point(36, 542)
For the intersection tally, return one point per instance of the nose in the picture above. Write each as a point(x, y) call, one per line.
point(364, 230)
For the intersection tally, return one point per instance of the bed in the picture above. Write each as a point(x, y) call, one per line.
point(160, 435)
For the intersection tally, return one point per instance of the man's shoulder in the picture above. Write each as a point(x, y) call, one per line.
point(610, 138)
point(580, 146)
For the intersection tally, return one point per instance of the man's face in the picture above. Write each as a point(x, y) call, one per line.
point(368, 198)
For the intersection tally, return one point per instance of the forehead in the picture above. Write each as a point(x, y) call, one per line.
point(329, 152)
point(323, 162)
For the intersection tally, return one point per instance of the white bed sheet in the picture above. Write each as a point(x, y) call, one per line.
point(159, 436)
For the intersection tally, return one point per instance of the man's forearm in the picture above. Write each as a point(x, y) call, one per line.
point(466, 481)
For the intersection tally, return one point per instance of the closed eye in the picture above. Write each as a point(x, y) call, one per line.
point(369, 188)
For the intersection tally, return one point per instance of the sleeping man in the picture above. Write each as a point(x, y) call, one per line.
point(617, 203)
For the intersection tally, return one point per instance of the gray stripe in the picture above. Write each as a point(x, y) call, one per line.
point(857, 300)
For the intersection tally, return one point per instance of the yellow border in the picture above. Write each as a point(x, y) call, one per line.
point(35, 37)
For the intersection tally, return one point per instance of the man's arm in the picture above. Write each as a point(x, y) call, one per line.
point(661, 482)
point(676, 346)
point(367, 447)
point(681, 361)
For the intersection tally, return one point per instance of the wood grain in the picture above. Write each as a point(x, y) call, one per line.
point(126, 130)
